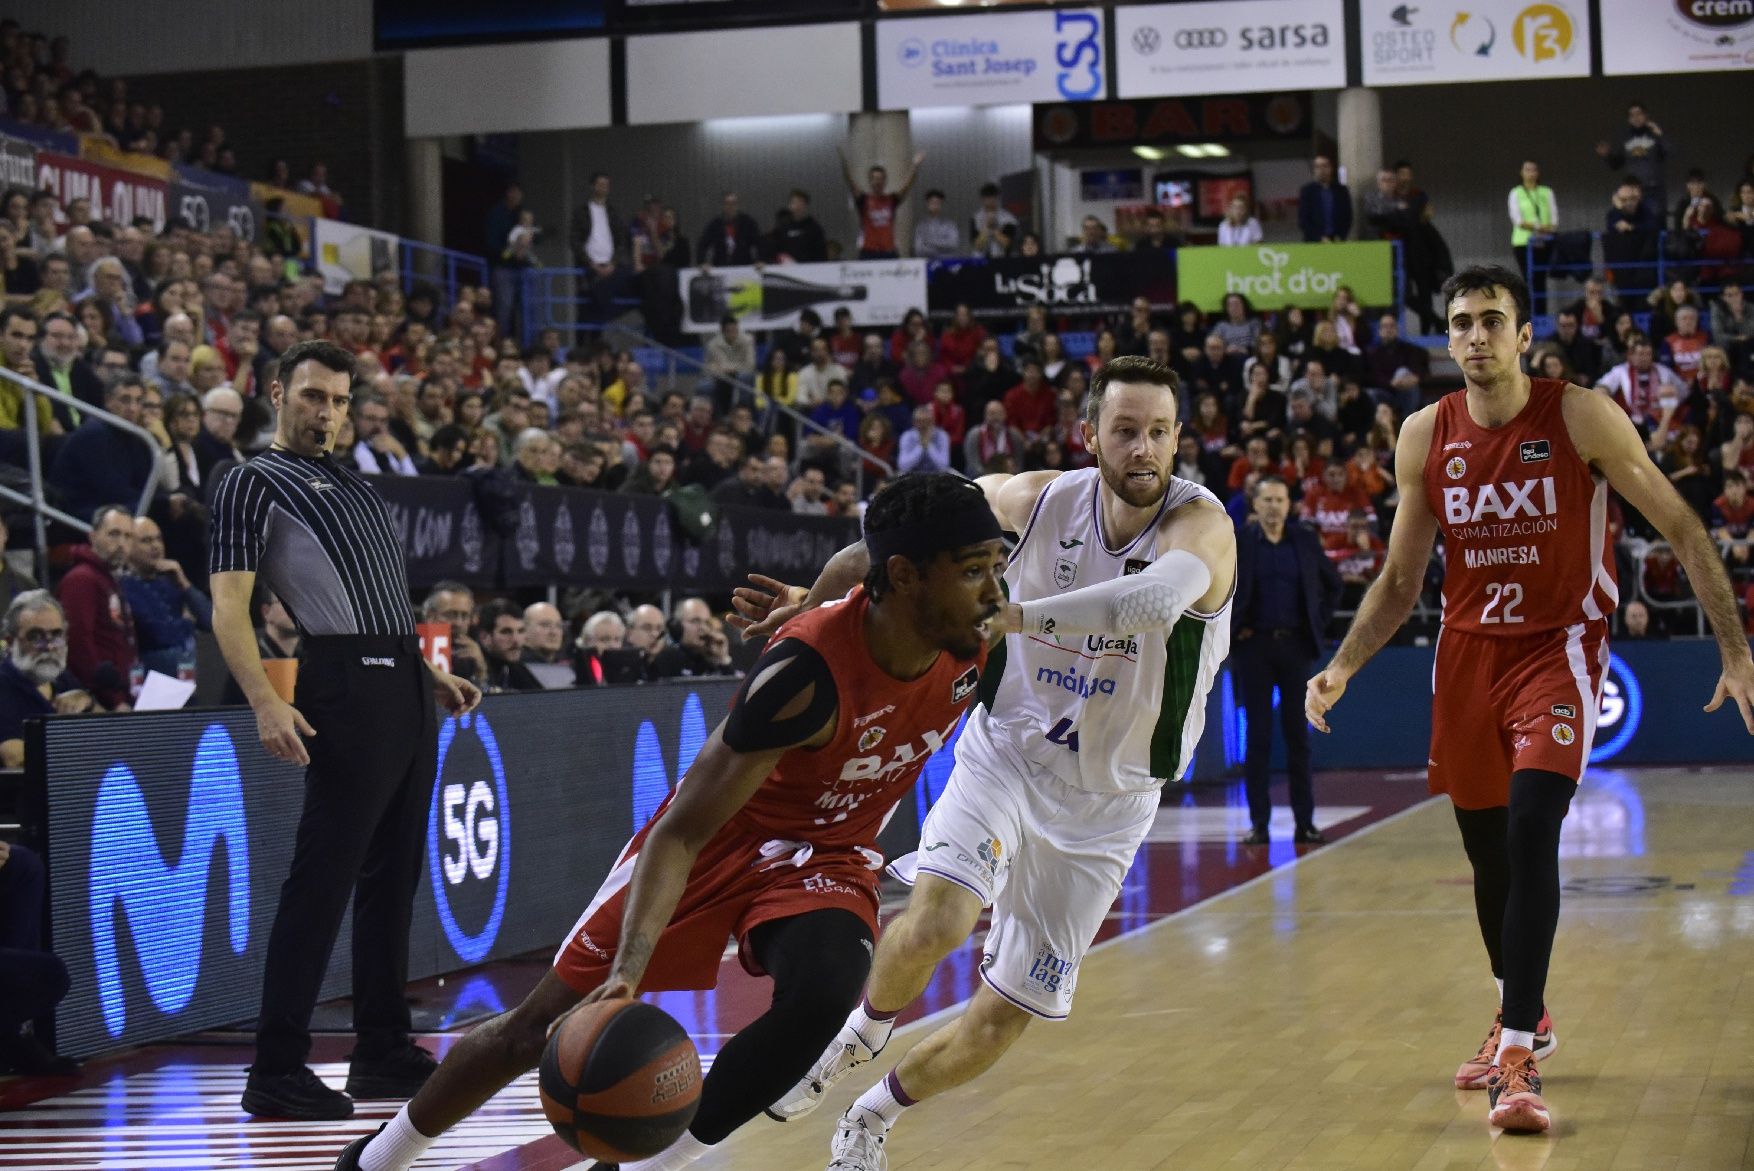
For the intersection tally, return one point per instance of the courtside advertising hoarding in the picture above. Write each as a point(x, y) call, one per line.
point(1677, 36)
point(1274, 275)
point(991, 59)
point(1230, 47)
point(1476, 40)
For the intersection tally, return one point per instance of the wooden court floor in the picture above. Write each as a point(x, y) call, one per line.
point(1313, 1018)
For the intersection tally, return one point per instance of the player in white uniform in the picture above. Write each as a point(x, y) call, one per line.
point(1119, 619)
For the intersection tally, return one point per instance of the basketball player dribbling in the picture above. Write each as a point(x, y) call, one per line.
point(1515, 472)
point(771, 835)
point(1121, 586)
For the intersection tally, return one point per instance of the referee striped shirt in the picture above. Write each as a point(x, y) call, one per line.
point(318, 535)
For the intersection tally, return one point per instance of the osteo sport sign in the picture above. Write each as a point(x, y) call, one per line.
point(1482, 40)
point(991, 59)
point(1230, 47)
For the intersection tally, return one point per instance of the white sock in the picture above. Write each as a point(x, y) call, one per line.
point(1512, 1037)
point(1500, 984)
point(881, 1105)
point(679, 1155)
point(873, 1028)
point(397, 1147)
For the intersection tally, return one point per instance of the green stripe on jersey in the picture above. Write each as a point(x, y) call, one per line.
point(1181, 676)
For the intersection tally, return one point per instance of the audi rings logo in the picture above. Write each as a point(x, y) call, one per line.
point(1201, 38)
point(1146, 40)
point(469, 837)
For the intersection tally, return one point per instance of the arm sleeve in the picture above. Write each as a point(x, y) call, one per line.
point(240, 522)
point(789, 671)
point(1516, 215)
point(1135, 604)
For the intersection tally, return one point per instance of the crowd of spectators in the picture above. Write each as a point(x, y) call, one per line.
point(39, 86)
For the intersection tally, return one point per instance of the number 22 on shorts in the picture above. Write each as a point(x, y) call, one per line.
point(1508, 593)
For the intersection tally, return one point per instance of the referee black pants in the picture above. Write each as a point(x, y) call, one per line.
point(367, 793)
point(1263, 661)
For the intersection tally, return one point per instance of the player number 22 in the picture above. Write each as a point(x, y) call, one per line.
point(1509, 593)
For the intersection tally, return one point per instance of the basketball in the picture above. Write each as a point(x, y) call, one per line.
point(620, 1080)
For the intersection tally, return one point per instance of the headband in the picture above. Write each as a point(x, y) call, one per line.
point(954, 527)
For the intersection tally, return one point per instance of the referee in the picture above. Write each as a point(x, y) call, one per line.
point(365, 728)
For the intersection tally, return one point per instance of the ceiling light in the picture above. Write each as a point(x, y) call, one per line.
point(1150, 154)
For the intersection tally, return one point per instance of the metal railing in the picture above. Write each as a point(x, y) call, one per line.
point(42, 511)
point(1652, 256)
point(745, 390)
point(445, 266)
point(1678, 605)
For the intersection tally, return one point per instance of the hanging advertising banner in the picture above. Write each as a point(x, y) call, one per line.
point(1229, 47)
point(18, 162)
point(878, 292)
point(204, 201)
point(1148, 121)
point(1482, 40)
point(347, 252)
point(1677, 36)
point(1272, 275)
point(993, 59)
point(117, 196)
point(1006, 286)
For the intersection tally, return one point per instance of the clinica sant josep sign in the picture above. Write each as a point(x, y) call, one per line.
point(991, 59)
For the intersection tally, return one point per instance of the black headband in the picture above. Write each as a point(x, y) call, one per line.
point(952, 528)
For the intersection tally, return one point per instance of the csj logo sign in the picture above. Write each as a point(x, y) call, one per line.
point(975, 60)
point(468, 837)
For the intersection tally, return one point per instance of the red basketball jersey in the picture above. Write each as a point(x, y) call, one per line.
point(1524, 519)
point(842, 793)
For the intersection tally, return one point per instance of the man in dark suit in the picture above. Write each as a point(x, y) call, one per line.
point(731, 237)
point(1324, 207)
point(1286, 589)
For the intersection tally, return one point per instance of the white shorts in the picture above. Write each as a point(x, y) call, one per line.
point(1048, 858)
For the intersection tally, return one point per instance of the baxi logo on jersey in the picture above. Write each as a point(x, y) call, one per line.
point(468, 837)
point(1530, 507)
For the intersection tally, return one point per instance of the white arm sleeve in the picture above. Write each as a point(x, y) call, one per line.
point(1135, 604)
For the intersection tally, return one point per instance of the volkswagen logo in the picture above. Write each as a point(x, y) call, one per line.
point(1201, 38)
point(1146, 40)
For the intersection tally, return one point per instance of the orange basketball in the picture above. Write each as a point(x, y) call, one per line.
point(620, 1080)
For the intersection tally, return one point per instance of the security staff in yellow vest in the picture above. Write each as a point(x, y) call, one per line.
point(1534, 218)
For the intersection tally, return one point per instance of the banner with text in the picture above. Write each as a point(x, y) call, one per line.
point(1682, 36)
point(204, 201)
point(1007, 286)
point(1485, 40)
point(993, 59)
point(878, 292)
point(348, 252)
point(116, 196)
point(606, 540)
point(1230, 47)
point(18, 162)
point(1274, 275)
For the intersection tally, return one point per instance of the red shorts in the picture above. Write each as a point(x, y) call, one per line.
point(732, 890)
point(1502, 704)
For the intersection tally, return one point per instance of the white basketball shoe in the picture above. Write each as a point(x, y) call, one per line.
point(847, 1052)
point(856, 1147)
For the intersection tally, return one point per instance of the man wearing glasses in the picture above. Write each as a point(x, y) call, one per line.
point(34, 680)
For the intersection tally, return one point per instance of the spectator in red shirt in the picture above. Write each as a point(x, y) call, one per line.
point(1684, 347)
point(877, 207)
point(1256, 460)
point(845, 342)
point(961, 342)
point(1329, 508)
point(1360, 559)
point(1732, 520)
point(948, 413)
point(913, 328)
point(922, 373)
point(1030, 405)
point(100, 627)
point(697, 425)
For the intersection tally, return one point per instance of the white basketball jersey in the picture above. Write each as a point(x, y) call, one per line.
point(1105, 714)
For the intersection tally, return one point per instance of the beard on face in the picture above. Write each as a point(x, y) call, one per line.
point(40, 666)
point(1136, 493)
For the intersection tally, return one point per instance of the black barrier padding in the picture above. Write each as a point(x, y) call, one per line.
point(151, 815)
